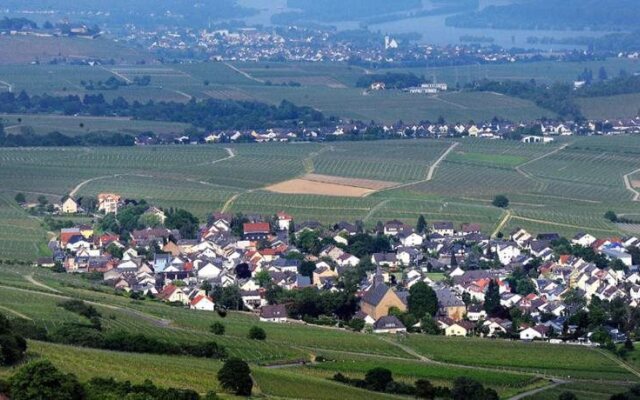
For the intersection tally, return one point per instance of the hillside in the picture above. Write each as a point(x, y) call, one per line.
point(34, 300)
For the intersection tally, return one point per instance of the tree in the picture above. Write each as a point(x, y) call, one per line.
point(257, 333)
point(492, 298)
point(611, 216)
point(42, 200)
point(150, 221)
point(602, 74)
point(306, 268)
point(378, 378)
point(422, 300)
point(20, 198)
point(500, 201)
point(425, 390)
point(12, 346)
point(429, 325)
point(467, 388)
point(263, 278)
point(183, 221)
point(243, 271)
point(567, 396)
point(235, 376)
point(206, 286)
point(217, 328)
point(41, 380)
point(357, 324)
point(421, 226)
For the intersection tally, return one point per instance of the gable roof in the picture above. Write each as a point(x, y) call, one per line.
point(273, 311)
point(375, 294)
point(257, 227)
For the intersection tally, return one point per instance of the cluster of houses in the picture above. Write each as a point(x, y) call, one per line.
point(314, 44)
point(542, 131)
point(458, 262)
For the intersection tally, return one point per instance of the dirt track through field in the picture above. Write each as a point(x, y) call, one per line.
point(630, 186)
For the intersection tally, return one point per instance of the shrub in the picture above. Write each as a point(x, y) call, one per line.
point(217, 328)
point(378, 378)
point(78, 335)
point(425, 390)
point(257, 333)
point(500, 201)
point(235, 376)
point(567, 396)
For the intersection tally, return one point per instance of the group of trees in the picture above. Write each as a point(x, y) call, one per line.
point(392, 80)
point(89, 336)
point(558, 97)
point(27, 138)
point(210, 114)
point(114, 83)
point(42, 380)
point(381, 380)
point(310, 303)
point(13, 346)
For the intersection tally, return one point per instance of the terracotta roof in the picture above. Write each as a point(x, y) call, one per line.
point(258, 227)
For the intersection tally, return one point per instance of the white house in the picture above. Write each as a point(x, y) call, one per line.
point(69, 206)
point(202, 302)
point(284, 221)
point(462, 328)
point(537, 332)
point(273, 313)
point(507, 252)
point(583, 239)
point(411, 240)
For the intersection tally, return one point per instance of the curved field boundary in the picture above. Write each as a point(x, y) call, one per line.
point(629, 185)
point(430, 172)
point(85, 182)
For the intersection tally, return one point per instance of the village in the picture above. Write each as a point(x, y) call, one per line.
point(515, 285)
point(531, 132)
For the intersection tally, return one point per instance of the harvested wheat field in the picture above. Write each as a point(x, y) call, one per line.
point(355, 182)
point(326, 185)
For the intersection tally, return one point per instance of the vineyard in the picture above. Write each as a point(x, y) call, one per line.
point(563, 187)
point(497, 364)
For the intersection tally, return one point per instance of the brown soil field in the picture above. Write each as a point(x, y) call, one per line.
point(303, 186)
point(355, 182)
point(635, 183)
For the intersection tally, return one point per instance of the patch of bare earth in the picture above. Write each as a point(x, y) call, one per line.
point(361, 183)
point(635, 183)
point(325, 185)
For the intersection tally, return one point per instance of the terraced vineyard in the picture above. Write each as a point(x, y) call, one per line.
point(497, 364)
point(542, 358)
point(21, 237)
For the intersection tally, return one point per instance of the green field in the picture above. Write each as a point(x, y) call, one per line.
point(540, 358)
point(328, 87)
point(582, 390)
point(611, 107)
point(563, 187)
point(497, 364)
point(77, 126)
